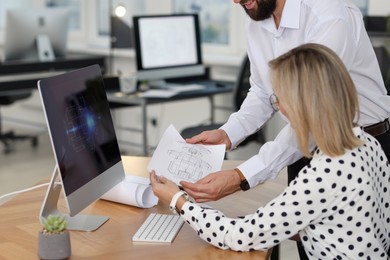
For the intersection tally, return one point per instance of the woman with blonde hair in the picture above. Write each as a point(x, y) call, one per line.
point(339, 204)
point(319, 98)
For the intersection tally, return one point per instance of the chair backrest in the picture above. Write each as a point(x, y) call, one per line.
point(242, 83)
point(383, 57)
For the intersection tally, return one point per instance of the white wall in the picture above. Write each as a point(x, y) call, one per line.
point(379, 7)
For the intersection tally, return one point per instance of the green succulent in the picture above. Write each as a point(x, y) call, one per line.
point(54, 224)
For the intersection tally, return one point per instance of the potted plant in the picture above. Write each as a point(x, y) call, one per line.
point(54, 239)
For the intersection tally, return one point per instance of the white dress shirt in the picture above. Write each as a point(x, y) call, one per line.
point(340, 206)
point(337, 24)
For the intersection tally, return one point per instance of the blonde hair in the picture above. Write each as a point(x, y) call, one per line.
point(319, 97)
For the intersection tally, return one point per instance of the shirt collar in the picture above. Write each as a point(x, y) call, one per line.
point(291, 14)
point(290, 17)
point(358, 131)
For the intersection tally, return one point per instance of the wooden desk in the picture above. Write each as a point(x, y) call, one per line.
point(19, 226)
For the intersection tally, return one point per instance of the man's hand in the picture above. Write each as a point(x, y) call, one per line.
point(217, 136)
point(214, 186)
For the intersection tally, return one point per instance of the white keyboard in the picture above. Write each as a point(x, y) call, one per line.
point(184, 88)
point(160, 228)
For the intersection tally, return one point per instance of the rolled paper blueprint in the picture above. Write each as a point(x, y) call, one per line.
point(134, 191)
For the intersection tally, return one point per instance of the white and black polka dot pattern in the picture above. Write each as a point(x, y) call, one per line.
point(339, 206)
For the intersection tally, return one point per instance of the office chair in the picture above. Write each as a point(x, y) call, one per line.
point(383, 57)
point(241, 88)
point(7, 138)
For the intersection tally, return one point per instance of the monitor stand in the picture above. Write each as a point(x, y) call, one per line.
point(78, 222)
point(44, 48)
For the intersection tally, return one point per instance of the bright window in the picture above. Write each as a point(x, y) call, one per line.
point(213, 19)
point(363, 5)
point(74, 11)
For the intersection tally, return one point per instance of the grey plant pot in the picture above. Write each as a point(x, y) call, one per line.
point(54, 246)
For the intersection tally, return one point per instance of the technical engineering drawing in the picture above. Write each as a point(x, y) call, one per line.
point(188, 164)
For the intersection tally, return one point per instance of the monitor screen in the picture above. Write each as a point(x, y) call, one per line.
point(167, 46)
point(82, 134)
point(35, 34)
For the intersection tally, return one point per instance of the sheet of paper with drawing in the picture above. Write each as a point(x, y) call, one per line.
point(178, 160)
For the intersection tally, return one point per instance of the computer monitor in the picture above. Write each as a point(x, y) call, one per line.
point(35, 34)
point(167, 46)
point(87, 155)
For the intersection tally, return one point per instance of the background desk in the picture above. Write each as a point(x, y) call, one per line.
point(16, 75)
point(118, 99)
point(19, 225)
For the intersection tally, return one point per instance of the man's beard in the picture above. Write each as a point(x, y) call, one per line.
point(265, 9)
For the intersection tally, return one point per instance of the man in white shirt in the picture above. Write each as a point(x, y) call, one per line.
point(274, 27)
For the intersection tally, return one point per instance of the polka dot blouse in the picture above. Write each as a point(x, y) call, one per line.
point(340, 206)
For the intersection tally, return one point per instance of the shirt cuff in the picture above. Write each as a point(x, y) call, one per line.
point(233, 132)
point(251, 168)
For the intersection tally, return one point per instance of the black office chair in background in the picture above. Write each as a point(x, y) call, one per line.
point(241, 88)
point(383, 57)
point(7, 138)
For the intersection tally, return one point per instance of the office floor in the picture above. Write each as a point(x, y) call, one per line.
point(26, 165)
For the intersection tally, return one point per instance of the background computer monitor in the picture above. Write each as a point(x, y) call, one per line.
point(35, 34)
point(167, 46)
point(84, 143)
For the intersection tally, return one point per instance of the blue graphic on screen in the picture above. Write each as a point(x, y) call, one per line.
point(81, 124)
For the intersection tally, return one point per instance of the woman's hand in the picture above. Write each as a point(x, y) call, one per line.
point(163, 188)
